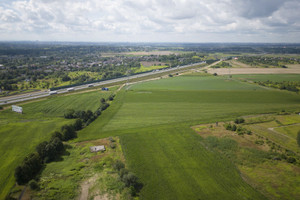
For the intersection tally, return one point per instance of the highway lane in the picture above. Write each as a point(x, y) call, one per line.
point(30, 96)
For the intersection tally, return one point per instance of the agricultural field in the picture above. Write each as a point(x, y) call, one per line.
point(154, 118)
point(39, 120)
point(152, 121)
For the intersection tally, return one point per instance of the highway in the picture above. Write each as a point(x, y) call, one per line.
point(40, 94)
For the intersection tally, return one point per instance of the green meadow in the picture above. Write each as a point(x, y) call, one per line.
point(20, 134)
point(153, 121)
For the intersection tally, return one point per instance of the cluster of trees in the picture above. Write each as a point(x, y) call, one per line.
point(46, 151)
point(128, 178)
point(285, 85)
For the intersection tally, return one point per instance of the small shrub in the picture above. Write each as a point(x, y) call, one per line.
point(227, 126)
point(291, 160)
point(33, 185)
point(123, 172)
point(118, 165)
point(233, 127)
point(113, 145)
point(111, 139)
point(239, 120)
point(130, 179)
point(298, 138)
point(102, 100)
point(259, 142)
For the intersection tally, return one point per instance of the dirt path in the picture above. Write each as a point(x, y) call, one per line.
point(85, 187)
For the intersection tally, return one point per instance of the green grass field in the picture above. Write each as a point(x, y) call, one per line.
point(153, 121)
point(19, 134)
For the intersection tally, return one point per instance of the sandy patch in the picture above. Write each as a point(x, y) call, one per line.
point(224, 71)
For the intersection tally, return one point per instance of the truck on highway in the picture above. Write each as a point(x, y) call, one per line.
point(52, 92)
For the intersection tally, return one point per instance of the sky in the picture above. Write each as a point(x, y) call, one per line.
point(261, 21)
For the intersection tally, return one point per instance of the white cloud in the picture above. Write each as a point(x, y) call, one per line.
point(151, 20)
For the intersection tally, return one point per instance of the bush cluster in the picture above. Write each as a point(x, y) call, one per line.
point(128, 178)
point(239, 120)
point(240, 130)
point(285, 85)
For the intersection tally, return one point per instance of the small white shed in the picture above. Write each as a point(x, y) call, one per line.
point(97, 148)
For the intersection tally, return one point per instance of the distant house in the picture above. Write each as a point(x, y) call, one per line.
point(97, 148)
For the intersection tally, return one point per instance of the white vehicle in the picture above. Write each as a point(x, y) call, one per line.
point(52, 92)
point(70, 89)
